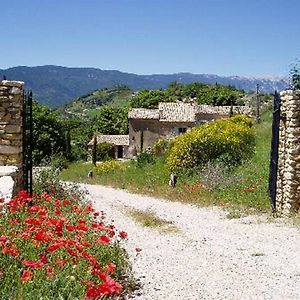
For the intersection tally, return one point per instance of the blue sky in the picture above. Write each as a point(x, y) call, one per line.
point(224, 37)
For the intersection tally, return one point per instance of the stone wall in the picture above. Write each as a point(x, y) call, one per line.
point(11, 106)
point(288, 180)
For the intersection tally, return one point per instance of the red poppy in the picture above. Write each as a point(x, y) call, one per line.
point(61, 262)
point(33, 222)
point(138, 249)
point(33, 264)
point(70, 227)
point(110, 268)
point(50, 272)
point(43, 236)
point(103, 240)
point(12, 251)
point(54, 246)
point(26, 276)
point(123, 235)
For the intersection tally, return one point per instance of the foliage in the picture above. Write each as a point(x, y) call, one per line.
point(149, 98)
point(201, 92)
point(145, 158)
point(48, 133)
point(161, 146)
point(111, 120)
point(243, 187)
point(54, 246)
point(105, 151)
point(295, 76)
point(108, 166)
point(227, 139)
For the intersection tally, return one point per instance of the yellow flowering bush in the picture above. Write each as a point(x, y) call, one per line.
point(232, 138)
point(107, 166)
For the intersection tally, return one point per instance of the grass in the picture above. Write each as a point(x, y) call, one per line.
point(149, 219)
point(245, 190)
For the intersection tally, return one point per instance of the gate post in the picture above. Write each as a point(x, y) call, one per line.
point(288, 182)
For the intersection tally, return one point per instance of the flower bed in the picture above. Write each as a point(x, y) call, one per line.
point(58, 248)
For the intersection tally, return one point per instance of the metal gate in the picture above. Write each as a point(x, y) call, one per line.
point(274, 151)
point(27, 141)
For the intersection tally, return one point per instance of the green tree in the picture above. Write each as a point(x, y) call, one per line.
point(149, 98)
point(111, 120)
point(48, 133)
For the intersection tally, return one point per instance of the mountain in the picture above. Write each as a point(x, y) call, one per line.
point(55, 85)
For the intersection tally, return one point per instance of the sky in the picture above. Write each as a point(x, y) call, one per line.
point(224, 37)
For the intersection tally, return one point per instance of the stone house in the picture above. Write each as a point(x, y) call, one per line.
point(120, 142)
point(171, 119)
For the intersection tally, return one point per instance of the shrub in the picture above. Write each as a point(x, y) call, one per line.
point(108, 166)
point(229, 140)
point(161, 146)
point(105, 151)
point(144, 158)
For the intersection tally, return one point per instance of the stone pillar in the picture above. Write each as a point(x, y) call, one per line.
point(288, 181)
point(11, 106)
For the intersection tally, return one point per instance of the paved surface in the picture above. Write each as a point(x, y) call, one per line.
point(210, 257)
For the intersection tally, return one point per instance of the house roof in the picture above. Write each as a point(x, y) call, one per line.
point(118, 140)
point(184, 112)
point(177, 112)
point(143, 113)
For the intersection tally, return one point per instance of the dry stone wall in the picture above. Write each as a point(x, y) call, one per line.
point(11, 105)
point(288, 180)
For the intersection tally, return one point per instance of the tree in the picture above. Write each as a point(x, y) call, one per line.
point(111, 120)
point(48, 133)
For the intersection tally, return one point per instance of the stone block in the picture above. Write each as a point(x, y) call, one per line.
point(12, 129)
point(5, 149)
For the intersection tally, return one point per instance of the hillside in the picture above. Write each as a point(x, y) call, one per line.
point(90, 103)
point(55, 85)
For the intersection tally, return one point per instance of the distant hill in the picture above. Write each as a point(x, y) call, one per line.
point(55, 85)
point(90, 103)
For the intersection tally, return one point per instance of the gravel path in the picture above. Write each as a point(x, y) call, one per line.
point(210, 257)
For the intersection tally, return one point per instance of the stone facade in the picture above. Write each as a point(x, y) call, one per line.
point(288, 180)
point(11, 106)
point(146, 126)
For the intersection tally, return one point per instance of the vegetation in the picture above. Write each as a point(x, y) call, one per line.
point(54, 245)
point(200, 92)
point(244, 186)
point(149, 219)
point(48, 133)
point(228, 140)
point(111, 120)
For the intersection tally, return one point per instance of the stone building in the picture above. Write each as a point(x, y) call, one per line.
point(120, 142)
point(146, 126)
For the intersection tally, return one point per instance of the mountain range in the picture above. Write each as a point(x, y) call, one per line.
point(56, 85)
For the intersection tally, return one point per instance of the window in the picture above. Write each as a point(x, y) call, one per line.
point(182, 130)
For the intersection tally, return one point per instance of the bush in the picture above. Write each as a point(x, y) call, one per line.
point(144, 158)
point(105, 151)
point(161, 146)
point(108, 166)
point(229, 140)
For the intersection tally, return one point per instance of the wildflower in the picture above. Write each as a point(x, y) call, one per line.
point(123, 235)
point(33, 264)
point(12, 251)
point(138, 250)
point(103, 240)
point(49, 272)
point(110, 268)
point(26, 276)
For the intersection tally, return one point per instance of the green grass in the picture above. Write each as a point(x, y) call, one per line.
point(246, 191)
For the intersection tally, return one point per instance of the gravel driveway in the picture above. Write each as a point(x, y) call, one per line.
point(210, 257)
